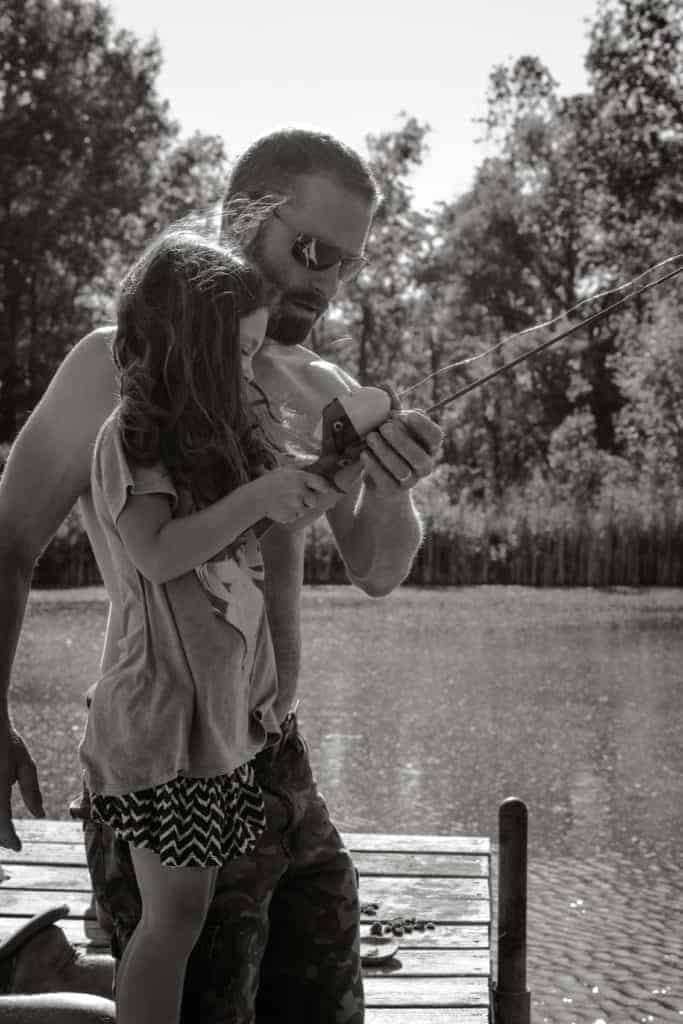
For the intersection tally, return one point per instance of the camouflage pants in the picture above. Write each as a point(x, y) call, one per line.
point(280, 942)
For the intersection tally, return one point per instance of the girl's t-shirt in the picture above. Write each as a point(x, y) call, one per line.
point(193, 688)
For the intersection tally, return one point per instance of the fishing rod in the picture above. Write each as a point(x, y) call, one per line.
point(586, 322)
point(347, 420)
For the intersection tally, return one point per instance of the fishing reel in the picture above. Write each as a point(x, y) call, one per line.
point(344, 425)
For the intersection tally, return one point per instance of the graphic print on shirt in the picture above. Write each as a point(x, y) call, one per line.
point(234, 580)
point(290, 432)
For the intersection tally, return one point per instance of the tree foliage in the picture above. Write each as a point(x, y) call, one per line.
point(579, 197)
point(578, 194)
point(381, 309)
point(89, 161)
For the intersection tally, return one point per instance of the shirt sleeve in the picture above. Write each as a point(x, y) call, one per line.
point(116, 478)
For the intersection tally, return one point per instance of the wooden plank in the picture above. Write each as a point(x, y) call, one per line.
point(442, 865)
point(438, 992)
point(446, 865)
point(20, 903)
point(52, 877)
point(426, 1015)
point(467, 1015)
point(49, 830)
point(68, 596)
point(86, 934)
point(446, 936)
point(426, 963)
point(33, 852)
point(370, 842)
point(369, 864)
point(383, 888)
point(463, 900)
point(25, 903)
point(442, 907)
point(58, 831)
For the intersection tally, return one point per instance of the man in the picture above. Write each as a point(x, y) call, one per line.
point(281, 939)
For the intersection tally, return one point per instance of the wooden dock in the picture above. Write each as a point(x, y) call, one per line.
point(439, 976)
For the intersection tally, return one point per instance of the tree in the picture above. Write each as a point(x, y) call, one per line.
point(580, 195)
point(185, 182)
point(87, 166)
point(381, 309)
point(635, 63)
point(649, 371)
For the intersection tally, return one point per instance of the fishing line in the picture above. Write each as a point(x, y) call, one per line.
point(586, 322)
point(549, 323)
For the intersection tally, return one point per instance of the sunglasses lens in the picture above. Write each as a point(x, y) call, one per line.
point(313, 254)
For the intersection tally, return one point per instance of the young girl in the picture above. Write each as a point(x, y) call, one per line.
point(180, 475)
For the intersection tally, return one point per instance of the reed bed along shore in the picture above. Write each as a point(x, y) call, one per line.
point(537, 545)
point(514, 544)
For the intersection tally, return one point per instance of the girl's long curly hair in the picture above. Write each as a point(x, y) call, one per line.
point(183, 401)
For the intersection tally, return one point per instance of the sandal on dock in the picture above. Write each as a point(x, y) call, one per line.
point(377, 949)
point(79, 807)
point(11, 947)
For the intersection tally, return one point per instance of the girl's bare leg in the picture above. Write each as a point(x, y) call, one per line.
point(149, 983)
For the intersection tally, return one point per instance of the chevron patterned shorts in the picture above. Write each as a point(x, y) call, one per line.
point(189, 822)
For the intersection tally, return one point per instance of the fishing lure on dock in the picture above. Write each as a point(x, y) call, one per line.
point(347, 420)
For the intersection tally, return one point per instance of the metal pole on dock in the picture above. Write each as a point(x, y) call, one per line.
point(511, 1000)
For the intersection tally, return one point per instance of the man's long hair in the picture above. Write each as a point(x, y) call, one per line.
point(177, 350)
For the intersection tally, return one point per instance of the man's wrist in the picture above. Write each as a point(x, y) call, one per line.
point(394, 497)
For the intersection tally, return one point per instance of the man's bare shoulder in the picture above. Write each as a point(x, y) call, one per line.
point(312, 371)
point(49, 464)
point(310, 358)
point(94, 349)
point(87, 370)
point(330, 381)
point(102, 336)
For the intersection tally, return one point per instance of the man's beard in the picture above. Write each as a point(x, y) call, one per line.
point(289, 327)
point(286, 324)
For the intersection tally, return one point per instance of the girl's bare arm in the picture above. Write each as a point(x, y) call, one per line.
point(163, 548)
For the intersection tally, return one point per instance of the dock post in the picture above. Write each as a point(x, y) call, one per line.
point(511, 1000)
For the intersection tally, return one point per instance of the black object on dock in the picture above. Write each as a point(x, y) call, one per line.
point(511, 1000)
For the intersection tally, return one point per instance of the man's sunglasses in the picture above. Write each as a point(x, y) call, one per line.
point(314, 254)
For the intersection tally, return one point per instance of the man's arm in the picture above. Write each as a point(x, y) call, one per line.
point(47, 470)
point(376, 526)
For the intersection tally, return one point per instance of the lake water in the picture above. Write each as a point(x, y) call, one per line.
point(424, 710)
